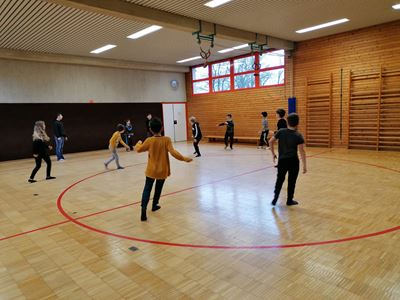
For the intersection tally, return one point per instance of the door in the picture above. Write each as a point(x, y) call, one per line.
point(175, 121)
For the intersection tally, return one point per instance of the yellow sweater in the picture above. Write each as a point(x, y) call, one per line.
point(115, 140)
point(158, 164)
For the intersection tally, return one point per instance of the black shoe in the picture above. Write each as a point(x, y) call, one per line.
point(156, 207)
point(198, 155)
point(50, 178)
point(120, 168)
point(31, 180)
point(290, 203)
point(143, 217)
point(274, 201)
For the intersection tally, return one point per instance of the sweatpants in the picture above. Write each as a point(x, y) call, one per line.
point(291, 166)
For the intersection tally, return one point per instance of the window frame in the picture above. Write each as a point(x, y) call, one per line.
point(232, 74)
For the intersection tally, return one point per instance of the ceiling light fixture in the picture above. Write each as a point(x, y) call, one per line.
point(396, 6)
point(102, 49)
point(216, 3)
point(188, 59)
point(233, 48)
point(144, 32)
point(322, 25)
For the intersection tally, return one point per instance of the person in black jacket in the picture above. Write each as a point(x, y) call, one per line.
point(128, 135)
point(149, 117)
point(60, 137)
point(196, 133)
point(41, 149)
point(230, 126)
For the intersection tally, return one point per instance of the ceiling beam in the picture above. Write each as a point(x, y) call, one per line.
point(88, 61)
point(130, 11)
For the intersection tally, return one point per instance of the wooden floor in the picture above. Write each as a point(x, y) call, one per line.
point(216, 236)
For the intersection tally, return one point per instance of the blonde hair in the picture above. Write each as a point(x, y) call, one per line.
point(39, 132)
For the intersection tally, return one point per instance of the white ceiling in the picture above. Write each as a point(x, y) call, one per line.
point(39, 26)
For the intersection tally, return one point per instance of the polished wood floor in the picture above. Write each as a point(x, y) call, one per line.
point(216, 236)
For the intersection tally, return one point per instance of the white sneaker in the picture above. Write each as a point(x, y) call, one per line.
point(61, 160)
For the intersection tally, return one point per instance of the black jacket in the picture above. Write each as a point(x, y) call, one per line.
point(41, 148)
point(196, 131)
point(59, 129)
point(230, 126)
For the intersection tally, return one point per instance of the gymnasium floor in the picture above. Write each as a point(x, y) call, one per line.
point(216, 236)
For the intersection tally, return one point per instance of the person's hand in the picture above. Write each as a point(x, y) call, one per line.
point(304, 170)
point(140, 142)
point(188, 159)
point(195, 140)
point(259, 132)
point(127, 149)
point(51, 147)
point(35, 155)
point(59, 138)
point(66, 138)
point(274, 159)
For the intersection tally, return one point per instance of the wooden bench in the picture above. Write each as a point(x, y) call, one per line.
point(214, 138)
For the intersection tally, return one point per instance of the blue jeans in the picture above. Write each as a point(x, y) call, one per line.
point(59, 147)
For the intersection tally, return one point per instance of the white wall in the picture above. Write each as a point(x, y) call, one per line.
point(31, 82)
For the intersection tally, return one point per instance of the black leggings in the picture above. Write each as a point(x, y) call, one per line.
point(229, 135)
point(38, 161)
point(196, 146)
point(148, 186)
point(291, 166)
point(264, 138)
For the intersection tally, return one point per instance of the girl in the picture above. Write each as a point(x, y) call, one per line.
point(41, 149)
point(115, 140)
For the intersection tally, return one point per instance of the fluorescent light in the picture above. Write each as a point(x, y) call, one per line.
point(233, 48)
point(322, 25)
point(188, 59)
point(396, 6)
point(144, 32)
point(216, 3)
point(102, 49)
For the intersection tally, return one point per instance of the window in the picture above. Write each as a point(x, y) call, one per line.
point(245, 72)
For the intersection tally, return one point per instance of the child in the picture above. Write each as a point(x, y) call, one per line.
point(41, 148)
point(196, 133)
point(60, 137)
point(114, 141)
point(289, 140)
point(129, 134)
point(158, 168)
point(280, 115)
point(264, 131)
point(229, 130)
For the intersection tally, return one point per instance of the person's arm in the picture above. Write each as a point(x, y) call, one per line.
point(35, 147)
point(123, 143)
point(176, 154)
point(303, 157)
point(223, 124)
point(272, 148)
point(142, 147)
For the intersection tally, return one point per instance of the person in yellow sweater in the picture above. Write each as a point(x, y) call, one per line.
point(158, 167)
point(114, 142)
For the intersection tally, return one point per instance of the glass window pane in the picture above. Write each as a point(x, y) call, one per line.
point(272, 77)
point(199, 73)
point(201, 87)
point(272, 59)
point(244, 64)
point(221, 69)
point(222, 84)
point(245, 81)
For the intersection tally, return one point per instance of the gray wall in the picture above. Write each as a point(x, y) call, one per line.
point(31, 82)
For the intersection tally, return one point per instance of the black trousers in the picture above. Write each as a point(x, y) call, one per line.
point(229, 136)
point(38, 161)
point(264, 138)
point(291, 166)
point(196, 146)
point(148, 186)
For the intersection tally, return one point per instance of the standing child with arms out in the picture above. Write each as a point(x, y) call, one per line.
point(158, 167)
point(289, 140)
point(115, 140)
point(230, 126)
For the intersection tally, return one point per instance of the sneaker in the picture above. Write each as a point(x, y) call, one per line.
point(198, 155)
point(155, 208)
point(31, 180)
point(120, 168)
point(143, 216)
point(293, 202)
point(61, 160)
point(226, 147)
point(50, 178)
point(105, 165)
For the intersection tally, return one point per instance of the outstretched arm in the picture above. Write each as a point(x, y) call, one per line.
point(176, 154)
point(223, 124)
point(142, 147)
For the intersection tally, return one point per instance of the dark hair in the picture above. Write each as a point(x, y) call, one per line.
point(281, 112)
point(229, 115)
point(156, 125)
point(264, 114)
point(120, 127)
point(293, 119)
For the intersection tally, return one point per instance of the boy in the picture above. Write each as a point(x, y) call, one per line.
point(264, 131)
point(280, 115)
point(129, 134)
point(158, 168)
point(289, 140)
point(197, 135)
point(229, 130)
point(114, 141)
point(60, 137)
